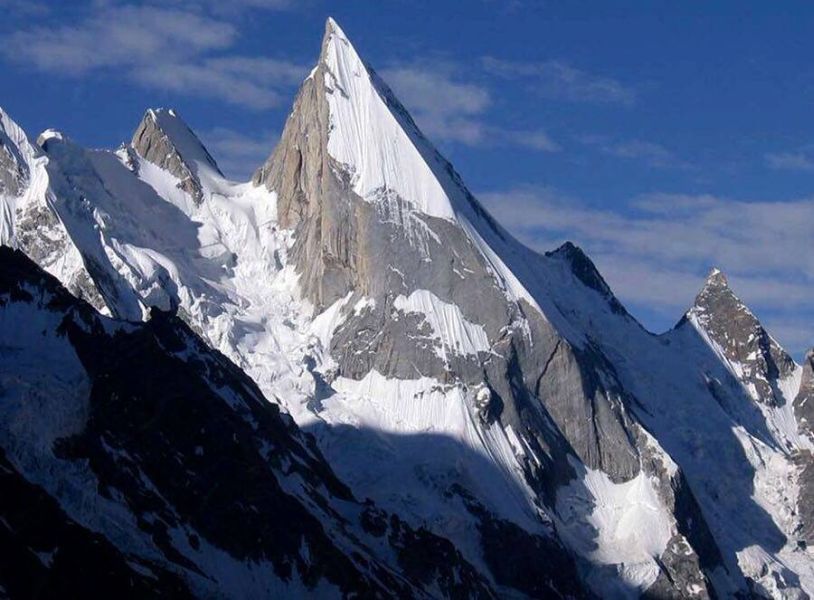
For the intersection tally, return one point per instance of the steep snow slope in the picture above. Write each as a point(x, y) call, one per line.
point(367, 139)
point(31, 214)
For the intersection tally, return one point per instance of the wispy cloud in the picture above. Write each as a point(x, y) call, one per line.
point(448, 109)
point(534, 139)
point(649, 153)
point(444, 107)
point(558, 80)
point(238, 154)
point(116, 37)
point(28, 8)
point(214, 6)
point(173, 49)
point(790, 161)
point(264, 4)
point(655, 251)
point(250, 82)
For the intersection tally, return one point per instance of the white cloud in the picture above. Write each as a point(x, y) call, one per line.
point(656, 251)
point(536, 140)
point(447, 109)
point(560, 81)
point(214, 6)
point(238, 154)
point(435, 90)
point(171, 49)
point(650, 153)
point(250, 82)
point(444, 108)
point(119, 36)
point(264, 4)
point(791, 161)
point(28, 8)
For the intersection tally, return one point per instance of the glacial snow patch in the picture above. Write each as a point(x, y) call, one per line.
point(622, 524)
point(449, 326)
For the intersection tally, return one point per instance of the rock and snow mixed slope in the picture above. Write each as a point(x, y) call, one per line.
point(500, 399)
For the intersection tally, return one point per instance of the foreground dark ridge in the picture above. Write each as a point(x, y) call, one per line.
point(191, 465)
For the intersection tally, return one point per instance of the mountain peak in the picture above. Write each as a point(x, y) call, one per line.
point(584, 269)
point(716, 279)
point(717, 296)
point(738, 334)
point(164, 139)
point(332, 26)
point(334, 32)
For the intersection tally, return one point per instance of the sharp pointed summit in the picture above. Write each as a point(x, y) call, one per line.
point(736, 332)
point(716, 291)
point(716, 279)
point(165, 140)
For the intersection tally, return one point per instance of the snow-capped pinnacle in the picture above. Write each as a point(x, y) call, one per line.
point(13, 136)
point(716, 279)
point(373, 137)
point(5, 120)
point(168, 124)
point(717, 295)
point(333, 32)
point(164, 139)
point(332, 26)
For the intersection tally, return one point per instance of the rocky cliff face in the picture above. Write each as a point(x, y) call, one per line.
point(500, 410)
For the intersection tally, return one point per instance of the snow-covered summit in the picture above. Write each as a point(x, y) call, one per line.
point(374, 138)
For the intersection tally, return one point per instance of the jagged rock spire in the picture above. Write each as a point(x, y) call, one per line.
point(743, 340)
point(164, 139)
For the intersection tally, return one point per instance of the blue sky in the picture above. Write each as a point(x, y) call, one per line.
point(663, 137)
